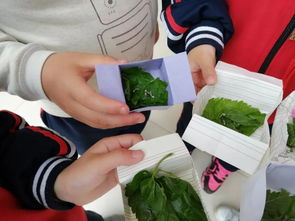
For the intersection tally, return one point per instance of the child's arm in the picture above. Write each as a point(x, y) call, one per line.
point(63, 81)
point(194, 23)
point(39, 167)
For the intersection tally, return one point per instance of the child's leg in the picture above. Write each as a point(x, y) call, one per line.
point(214, 176)
point(84, 136)
point(185, 117)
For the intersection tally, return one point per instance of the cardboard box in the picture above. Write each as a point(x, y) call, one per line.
point(180, 163)
point(173, 69)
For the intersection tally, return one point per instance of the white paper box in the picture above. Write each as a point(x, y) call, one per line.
point(247, 153)
point(180, 163)
point(260, 91)
point(280, 152)
point(274, 176)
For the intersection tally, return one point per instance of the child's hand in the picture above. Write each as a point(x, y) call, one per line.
point(202, 62)
point(94, 173)
point(64, 80)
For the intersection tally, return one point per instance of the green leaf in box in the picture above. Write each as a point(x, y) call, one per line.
point(163, 197)
point(279, 206)
point(291, 135)
point(142, 90)
point(236, 115)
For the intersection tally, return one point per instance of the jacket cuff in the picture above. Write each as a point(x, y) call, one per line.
point(43, 184)
point(205, 33)
point(32, 73)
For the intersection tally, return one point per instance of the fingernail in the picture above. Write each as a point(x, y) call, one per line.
point(136, 154)
point(140, 119)
point(124, 110)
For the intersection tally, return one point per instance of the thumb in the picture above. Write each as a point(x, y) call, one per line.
point(208, 71)
point(120, 157)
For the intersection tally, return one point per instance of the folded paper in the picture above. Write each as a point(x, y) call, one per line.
point(247, 153)
point(260, 91)
point(180, 163)
point(275, 176)
point(173, 69)
point(279, 150)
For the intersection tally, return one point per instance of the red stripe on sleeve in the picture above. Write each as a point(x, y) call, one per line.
point(177, 28)
point(63, 147)
point(178, 1)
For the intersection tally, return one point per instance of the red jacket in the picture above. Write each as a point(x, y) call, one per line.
point(258, 25)
point(11, 209)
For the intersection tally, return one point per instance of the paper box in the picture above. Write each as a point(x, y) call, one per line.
point(259, 91)
point(280, 152)
point(275, 176)
point(173, 69)
point(180, 163)
point(210, 138)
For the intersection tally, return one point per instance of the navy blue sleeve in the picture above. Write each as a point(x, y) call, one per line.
point(31, 158)
point(190, 23)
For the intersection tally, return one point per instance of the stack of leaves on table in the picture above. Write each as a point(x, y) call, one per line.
point(141, 89)
point(154, 197)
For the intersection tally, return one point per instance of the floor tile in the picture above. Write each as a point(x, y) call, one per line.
point(167, 119)
point(30, 111)
point(10, 102)
point(109, 204)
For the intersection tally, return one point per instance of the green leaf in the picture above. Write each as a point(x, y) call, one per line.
point(154, 195)
point(134, 185)
point(236, 115)
point(163, 198)
point(291, 135)
point(279, 206)
point(183, 198)
point(142, 90)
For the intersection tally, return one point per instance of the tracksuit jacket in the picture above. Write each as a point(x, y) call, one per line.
point(30, 160)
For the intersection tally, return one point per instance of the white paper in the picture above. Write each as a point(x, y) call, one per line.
point(262, 92)
point(235, 148)
point(154, 150)
point(280, 152)
point(275, 176)
point(180, 163)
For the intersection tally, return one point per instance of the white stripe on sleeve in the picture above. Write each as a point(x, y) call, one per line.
point(205, 28)
point(169, 34)
point(208, 36)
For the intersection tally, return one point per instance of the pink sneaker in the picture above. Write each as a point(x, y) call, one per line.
point(214, 176)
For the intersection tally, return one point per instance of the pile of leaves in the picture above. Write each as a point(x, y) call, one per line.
point(163, 197)
point(279, 206)
point(236, 115)
point(291, 132)
point(141, 89)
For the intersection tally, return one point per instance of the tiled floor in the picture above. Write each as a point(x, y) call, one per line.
point(161, 123)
